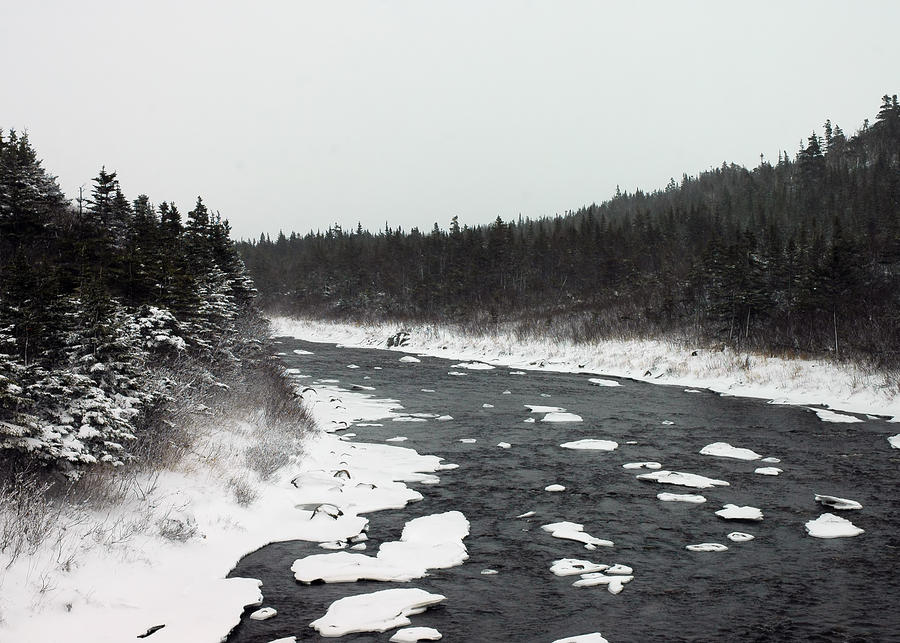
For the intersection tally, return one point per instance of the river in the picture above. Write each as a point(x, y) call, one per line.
point(782, 586)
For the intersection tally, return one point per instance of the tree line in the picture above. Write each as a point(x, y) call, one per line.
point(100, 301)
point(802, 254)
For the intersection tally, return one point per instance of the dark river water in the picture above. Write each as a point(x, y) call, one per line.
point(782, 586)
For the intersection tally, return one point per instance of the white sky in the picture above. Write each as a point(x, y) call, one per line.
point(295, 115)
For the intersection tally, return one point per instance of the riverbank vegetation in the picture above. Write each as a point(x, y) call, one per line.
point(796, 256)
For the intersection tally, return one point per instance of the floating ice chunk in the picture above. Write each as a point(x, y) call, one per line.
point(263, 613)
point(444, 418)
point(614, 584)
point(517, 372)
point(830, 416)
point(537, 408)
point(596, 381)
point(831, 526)
point(457, 373)
point(506, 393)
point(768, 471)
point(733, 512)
point(667, 422)
point(642, 465)
point(575, 567)
point(593, 637)
point(527, 514)
point(286, 639)
point(707, 547)
point(468, 440)
point(725, 450)
point(352, 366)
point(529, 420)
point(361, 387)
point(561, 417)
point(489, 572)
point(554, 487)
point(591, 444)
point(771, 460)
point(681, 497)
point(487, 406)
point(374, 612)
point(684, 479)
point(409, 418)
point(894, 441)
point(575, 531)
point(837, 503)
point(399, 438)
point(370, 424)
point(409, 359)
point(618, 568)
point(358, 547)
point(334, 544)
point(413, 634)
point(474, 366)
point(740, 537)
point(504, 445)
point(692, 390)
point(300, 351)
point(428, 390)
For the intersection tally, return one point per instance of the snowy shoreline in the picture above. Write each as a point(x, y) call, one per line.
point(784, 381)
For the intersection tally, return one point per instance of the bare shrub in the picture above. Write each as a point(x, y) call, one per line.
point(177, 525)
point(245, 494)
point(266, 458)
point(27, 514)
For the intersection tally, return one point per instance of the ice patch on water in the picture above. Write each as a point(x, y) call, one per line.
point(591, 444)
point(300, 351)
point(489, 572)
point(263, 614)
point(399, 438)
point(408, 418)
point(517, 372)
point(374, 612)
point(352, 366)
point(667, 422)
point(444, 418)
point(734, 512)
point(894, 441)
point(830, 416)
point(771, 460)
point(457, 373)
point(740, 537)
point(529, 420)
point(575, 531)
point(593, 637)
point(596, 381)
point(409, 359)
point(707, 547)
point(575, 567)
point(554, 487)
point(527, 514)
point(837, 503)
point(487, 406)
point(474, 366)
point(684, 479)
point(642, 465)
point(504, 445)
point(537, 408)
point(614, 584)
point(768, 471)
point(725, 450)
point(831, 526)
point(681, 497)
point(468, 440)
point(413, 634)
point(561, 417)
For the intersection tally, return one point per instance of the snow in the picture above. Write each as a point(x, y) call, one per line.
point(614, 584)
point(707, 547)
point(684, 479)
point(894, 441)
point(596, 381)
point(398, 438)
point(768, 471)
point(504, 445)
point(831, 526)
point(830, 416)
point(374, 612)
point(794, 381)
point(413, 634)
point(575, 567)
point(642, 465)
point(409, 359)
point(561, 417)
point(734, 512)
point(575, 531)
point(592, 444)
point(771, 460)
point(593, 637)
point(554, 487)
point(725, 450)
point(740, 537)
point(837, 503)
point(489, 572)
point(263, 614)
point(681, 497)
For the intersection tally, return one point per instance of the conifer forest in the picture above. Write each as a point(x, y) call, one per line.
point(800, 255)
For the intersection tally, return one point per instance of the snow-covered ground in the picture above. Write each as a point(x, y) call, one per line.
point(161, 557)
point(791, 381)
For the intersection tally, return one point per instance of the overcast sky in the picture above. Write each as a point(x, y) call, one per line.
point(296, 115)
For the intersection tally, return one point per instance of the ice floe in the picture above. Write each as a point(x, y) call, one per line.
point(642, 465)
point(771, 460)
point(286, 639)
point(707, 547)
point(692, 390)
point(681, 497)
point(831, 526)
point(768, 471)
point(593, 637)
point(575, 531)
point(684, 479)
point(361, 387)
point(487, 406)
point(894, 441)
point(300, 351)
point(537, 408)
point(374, 612)
point(614, 584)
point(725, 450)
point(734, 512)
point(468, 440)
point(457, 373)
point(413, 634)
point(596, 381)
point(837, 503)
point(504, 445)
point(489, 572)
point(352, 366)
point(399, 438)
point(575, 567)
point(408, 418)
point(444, 418)
point(527, 514)
point(474, 366)
point(517, 372)
point(561, 417)
point(529, 420)
point(667, 422)
point(264, 613)
point(554, 487)
point(409, 359)
point(830, 416)
point(591, 444)
point(740, 537)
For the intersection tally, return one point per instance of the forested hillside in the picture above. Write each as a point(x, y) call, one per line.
point(112, 314)
point(800, 255)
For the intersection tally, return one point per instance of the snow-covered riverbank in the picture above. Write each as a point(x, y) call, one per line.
point(789, 381)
